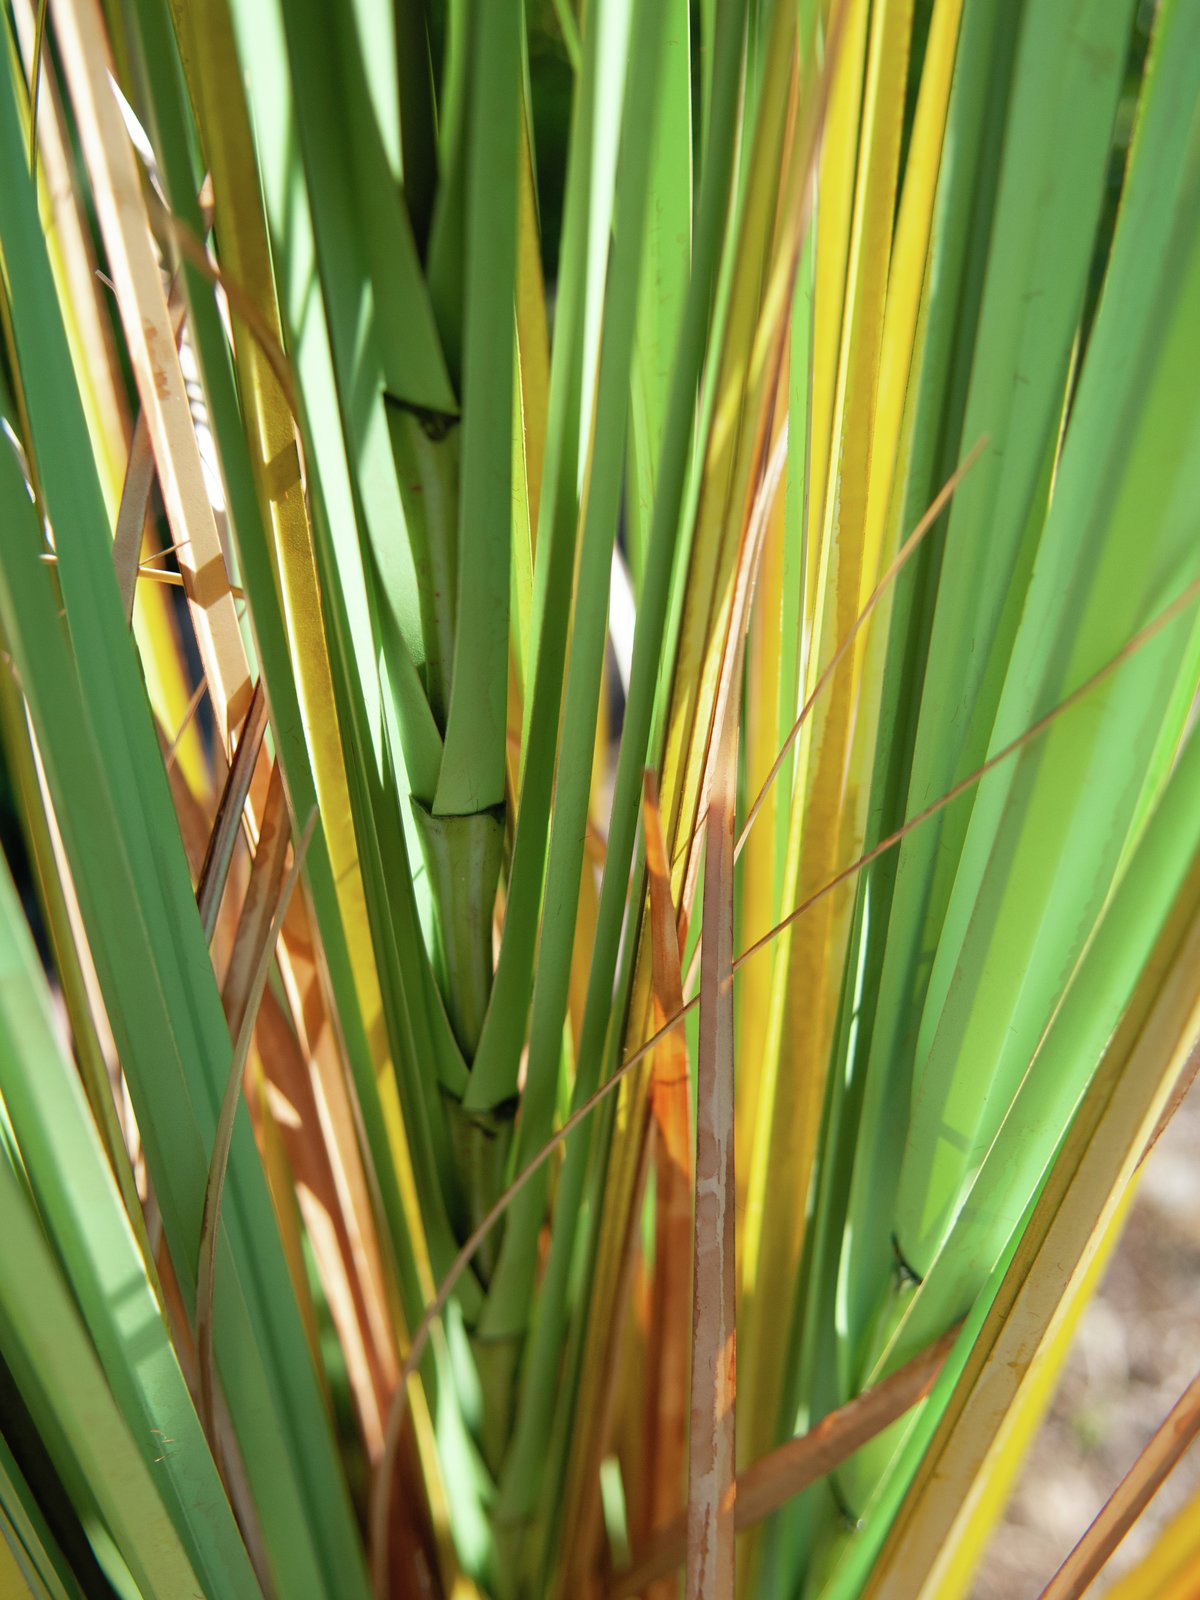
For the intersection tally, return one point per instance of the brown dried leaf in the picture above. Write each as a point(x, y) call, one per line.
point(711, 1487)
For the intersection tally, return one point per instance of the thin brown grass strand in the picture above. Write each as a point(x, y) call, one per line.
point(1140, 639)
point(171, 754)
point(899, 562)
point(1130, 1498)
point(907, 550)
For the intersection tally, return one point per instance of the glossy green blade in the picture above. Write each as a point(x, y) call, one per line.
point(666, 259)
point(508, 1303)
point(1043, 844)
point(308, 749)
point(1000, 1057)
point(63, 1384)
point(583, 269)
point(472, 771)
point(382, 708)
point(373, 319)
point(1016, 260)
point(1040, 1112)
point(111, 797)
point(79, 1203)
